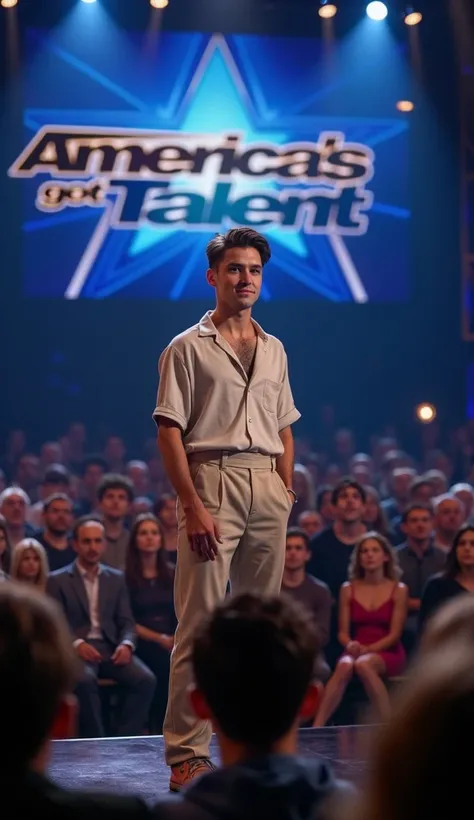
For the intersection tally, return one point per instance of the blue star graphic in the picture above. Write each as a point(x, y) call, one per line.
point(211, 97)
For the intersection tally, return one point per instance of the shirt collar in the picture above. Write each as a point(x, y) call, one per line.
point(206, 327)
point(83, 572)
point(428, 551)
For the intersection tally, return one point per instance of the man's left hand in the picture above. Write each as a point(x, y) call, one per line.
point(122, 655)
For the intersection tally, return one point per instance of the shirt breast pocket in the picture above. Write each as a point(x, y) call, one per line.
point(271, 392)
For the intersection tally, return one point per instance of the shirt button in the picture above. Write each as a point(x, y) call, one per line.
point(250, 421)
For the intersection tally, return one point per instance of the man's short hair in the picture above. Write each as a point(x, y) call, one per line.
point(9, 491)
point(82, 521)
point(418, 483)
point(412, 507)
point(56, 474)
point(237, 238)
point(346, 484)
point(37, 669)
point(115, 481)
point(298, 532)
point(93, 461)
point(253, 660)
point(55, 497)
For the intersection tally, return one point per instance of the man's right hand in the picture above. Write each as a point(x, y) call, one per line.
point(88, 653)
point(203, 531)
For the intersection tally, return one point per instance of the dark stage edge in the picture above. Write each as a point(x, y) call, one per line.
point(136, 765)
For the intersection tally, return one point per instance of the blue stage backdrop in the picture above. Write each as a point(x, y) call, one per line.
point(130, 164)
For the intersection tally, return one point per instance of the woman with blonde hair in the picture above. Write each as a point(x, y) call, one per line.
point(421, 763)
point(372, 613)
point(30, 563)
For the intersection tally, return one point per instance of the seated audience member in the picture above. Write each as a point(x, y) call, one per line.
point(465, 493)
point(95, 601)
point(331, 549)
point(115, 497)
point(399, 481)
point(55, 536)
point(421, 492)
point(372, 614)
point(253, 665)
point(304, 489)
point(457, 577)
point(3, 481)
point(28, 474)
point(311, 522)
point(141, 505)
point(5, 549)
point(438, 481)
point(324, 505)
point(374, 516)
point(418, 560)
point(165, 511)
point(310, 592)
point(449, 514)
point(150, 584)
point(115, 452)
point(92, 470)
point(14, 504)
point(51, 455)
point(29, 564)
point(56, 480)
point(420, 766)
point(139, 474)
point(37, 669)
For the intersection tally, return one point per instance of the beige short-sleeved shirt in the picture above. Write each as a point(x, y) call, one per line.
point(205, 390)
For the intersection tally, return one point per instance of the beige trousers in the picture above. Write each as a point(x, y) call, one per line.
point(248, 499)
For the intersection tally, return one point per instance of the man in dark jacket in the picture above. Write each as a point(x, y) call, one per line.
point(253, 663)
point(37, 669)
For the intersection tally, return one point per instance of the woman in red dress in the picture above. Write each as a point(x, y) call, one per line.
point(372, 613)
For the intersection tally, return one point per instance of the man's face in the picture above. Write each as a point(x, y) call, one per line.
point(168, 514)
point(344, 443)
point(400, 483)
point(466, 497)
point(58, 517)
point(51, 453)
point(422, 494)
point(51, 489)
point(90, 543)
point(349, 507)
point(14, 510)
point(115, 504)
point(237, 279)
point(115, 449)
point(310, 522)
point(140, 478)
point(28, 471)
point(92, 477)
point(297, 555)
point(419, 525)
point(449, 515)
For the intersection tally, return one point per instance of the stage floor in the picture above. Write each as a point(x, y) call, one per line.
point(137, 766)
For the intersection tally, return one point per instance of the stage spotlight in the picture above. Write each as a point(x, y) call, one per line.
point(405, 106)
point(89, 1)
point(426, 413)
point(377, 10)
point(9, 4)
point(159, 4)
point(412, 17)
point(327, 10)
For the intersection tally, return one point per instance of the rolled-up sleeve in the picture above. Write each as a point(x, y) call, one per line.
point(174, 391)
point(287, 412)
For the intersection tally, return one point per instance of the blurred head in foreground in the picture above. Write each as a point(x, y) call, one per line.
point(37, 668)
point(422, 758)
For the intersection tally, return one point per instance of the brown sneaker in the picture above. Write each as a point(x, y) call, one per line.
point(183, 773)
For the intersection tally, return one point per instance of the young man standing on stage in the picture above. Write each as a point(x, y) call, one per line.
point(224, 416)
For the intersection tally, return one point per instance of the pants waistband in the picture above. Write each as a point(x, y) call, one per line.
point(227, 458)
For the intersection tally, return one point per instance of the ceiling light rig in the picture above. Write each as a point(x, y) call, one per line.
point(412, 17)
point(327, 10)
